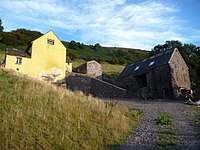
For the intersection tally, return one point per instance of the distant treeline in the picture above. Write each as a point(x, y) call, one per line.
point(20, 38)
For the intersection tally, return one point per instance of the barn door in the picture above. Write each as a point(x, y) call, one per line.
point(165, 92)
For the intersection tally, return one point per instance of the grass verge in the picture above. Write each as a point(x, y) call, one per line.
point(166, 138)
point(37, 115)
point(196, 118)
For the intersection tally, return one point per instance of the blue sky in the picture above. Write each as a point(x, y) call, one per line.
point(121, 23)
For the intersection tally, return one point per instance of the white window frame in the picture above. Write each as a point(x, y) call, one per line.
point(18, 60)
point(50, 42)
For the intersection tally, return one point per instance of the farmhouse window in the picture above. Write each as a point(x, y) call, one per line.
point(18, 60)
point(50, 41)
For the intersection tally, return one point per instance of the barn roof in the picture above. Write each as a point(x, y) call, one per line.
point(143, 66)
point(16, 52)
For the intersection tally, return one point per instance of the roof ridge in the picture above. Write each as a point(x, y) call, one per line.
point(147, 63)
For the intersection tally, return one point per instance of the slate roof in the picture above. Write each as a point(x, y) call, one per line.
point(16, 52)
point(147, 64)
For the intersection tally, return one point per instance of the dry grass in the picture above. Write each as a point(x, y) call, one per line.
point(196, 118)
point(77, 62)
point(36, 115)
point(2, 56)
point(110, 68)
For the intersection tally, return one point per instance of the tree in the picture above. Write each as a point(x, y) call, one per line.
point(81, 46)
point(73, 45)
point(1, 26)
point(19, 37)
point(167, 46)
point(97, 46)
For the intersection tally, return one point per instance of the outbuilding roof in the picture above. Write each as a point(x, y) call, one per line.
point(16, 52)
point(145, 65)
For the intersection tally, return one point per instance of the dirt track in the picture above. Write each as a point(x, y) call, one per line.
point(188, 135)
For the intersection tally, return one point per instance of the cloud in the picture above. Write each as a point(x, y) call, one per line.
point(108, 22)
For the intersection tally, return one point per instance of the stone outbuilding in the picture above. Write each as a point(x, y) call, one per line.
point(165, 75)
point(91, 68)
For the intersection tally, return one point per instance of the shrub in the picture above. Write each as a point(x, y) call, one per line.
point(164, 119)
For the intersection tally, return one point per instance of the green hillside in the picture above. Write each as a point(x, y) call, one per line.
point(20, 39)
point(112, 55)
point(37, 115)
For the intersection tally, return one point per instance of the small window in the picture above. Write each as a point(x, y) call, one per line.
point(151, 63)
point(50, 41)
point(18, 60)
point(136, 68)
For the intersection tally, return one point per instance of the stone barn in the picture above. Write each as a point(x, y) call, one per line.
point(91, 68)
point(165, 75)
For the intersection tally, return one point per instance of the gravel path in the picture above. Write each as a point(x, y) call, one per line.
point(188, 135)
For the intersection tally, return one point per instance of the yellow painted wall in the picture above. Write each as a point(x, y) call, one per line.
point(23, 68)
point(44, 57)
point(68, 67)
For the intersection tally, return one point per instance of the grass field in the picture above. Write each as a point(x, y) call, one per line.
point(196, 118)
point(77, 62)
point(109, 68)
point(37, 115)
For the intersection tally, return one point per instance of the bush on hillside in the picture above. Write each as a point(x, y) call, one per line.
point(19, 37)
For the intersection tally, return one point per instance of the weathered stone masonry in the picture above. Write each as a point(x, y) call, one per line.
point(94, 86)
point(91, 68)
point(164, 75)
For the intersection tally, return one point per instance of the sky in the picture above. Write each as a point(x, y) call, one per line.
point(140, 24)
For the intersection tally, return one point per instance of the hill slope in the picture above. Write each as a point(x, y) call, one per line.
point(35, 115)
point(20, 39)
point(112, 55)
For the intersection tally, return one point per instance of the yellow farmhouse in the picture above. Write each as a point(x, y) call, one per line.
point(45, 58)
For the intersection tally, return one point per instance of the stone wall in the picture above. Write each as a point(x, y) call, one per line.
point(94, 86)
point(180, 74)
point(79, 82)
point(157, 80)
point(81, 69)
point(101, 88)
point(161, 82)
